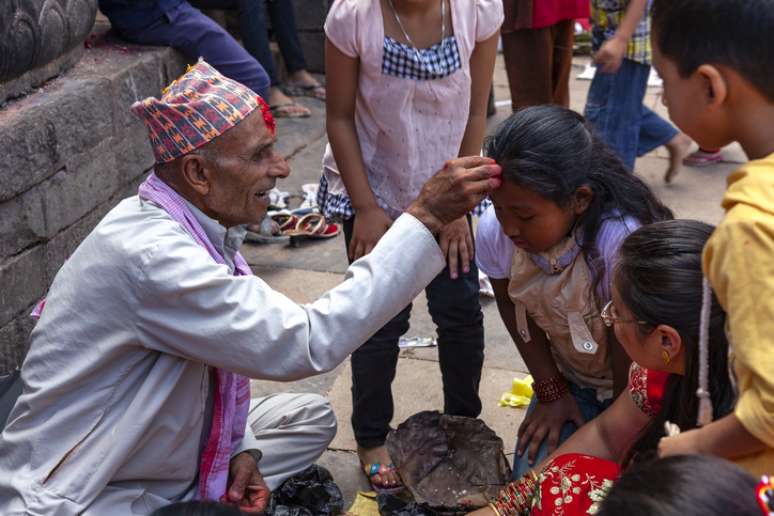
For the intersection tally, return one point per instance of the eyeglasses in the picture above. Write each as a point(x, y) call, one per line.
point(610, 316)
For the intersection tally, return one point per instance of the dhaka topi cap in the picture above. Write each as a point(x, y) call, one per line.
point(199, 106)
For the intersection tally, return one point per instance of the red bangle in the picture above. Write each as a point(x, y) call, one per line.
point(550, 389)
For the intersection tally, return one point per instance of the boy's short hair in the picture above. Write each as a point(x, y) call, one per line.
point(738, 34)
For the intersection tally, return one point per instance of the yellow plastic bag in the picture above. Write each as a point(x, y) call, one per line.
point(520, 394)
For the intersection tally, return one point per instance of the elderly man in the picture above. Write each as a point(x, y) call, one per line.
point(135, 385)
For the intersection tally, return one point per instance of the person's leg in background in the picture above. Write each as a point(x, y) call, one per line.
point(283, 22)
point(291, 430)
point(590, 407)
point(538, 63)
point(655, 132)
point(528, 55)
point(614, 108)
point(455, 308)
point(563, 36)
point(196, 35)
point(254, 28)
point(373, 369)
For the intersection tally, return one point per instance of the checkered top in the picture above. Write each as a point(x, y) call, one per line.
point(435, 62)
point(606, 16)
point(199, 106)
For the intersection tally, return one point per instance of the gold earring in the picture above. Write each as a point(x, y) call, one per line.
point(666, 357)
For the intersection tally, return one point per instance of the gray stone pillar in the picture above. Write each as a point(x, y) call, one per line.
point(39, 40)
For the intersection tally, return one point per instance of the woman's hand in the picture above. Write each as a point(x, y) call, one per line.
point(370, 225)
point(457, 245)
point(546, 422)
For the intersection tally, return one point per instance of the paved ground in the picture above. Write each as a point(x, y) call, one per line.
point(306, 272)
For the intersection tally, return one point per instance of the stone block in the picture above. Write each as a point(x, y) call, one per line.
point(23, 278)
point(311, 14)
point(38, 134)
point(30, 153)
point(313, 45)
point(144, 78)
point(87, 180)
point(15, 341)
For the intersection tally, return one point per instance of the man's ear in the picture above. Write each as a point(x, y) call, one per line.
point(714, 86)
point(582, 199)
point(195, 171)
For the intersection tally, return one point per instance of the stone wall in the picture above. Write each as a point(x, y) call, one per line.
point(70, 151)
point(310, 17)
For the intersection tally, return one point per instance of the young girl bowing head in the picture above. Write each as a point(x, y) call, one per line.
point(549, 245)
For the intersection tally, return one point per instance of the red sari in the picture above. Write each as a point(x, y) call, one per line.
point(573, 484)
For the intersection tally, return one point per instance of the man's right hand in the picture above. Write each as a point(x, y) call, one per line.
point(455, 190)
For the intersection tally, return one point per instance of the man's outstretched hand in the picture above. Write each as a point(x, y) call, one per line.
point(455, 190)
point(246, 487)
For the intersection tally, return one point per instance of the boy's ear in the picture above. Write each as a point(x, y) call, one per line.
point(583, 197)
point(715, 85)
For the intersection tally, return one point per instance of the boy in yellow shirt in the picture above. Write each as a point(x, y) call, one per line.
point(716, 58)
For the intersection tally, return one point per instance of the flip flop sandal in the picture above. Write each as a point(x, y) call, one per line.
point(702, 159)
point(290, 110)
point(297, 90)
point(312, 226)
point(377, 468)
point(285, 220)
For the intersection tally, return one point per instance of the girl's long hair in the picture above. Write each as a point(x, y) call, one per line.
point(659, 279)
point(551, 151)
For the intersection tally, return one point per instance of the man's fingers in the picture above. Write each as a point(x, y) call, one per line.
point(468, 162)
point(526, 437)
point(237, 490)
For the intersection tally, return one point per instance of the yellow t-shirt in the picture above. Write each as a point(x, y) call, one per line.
point(739, 263)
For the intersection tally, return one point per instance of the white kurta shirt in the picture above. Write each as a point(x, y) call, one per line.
point(116, 381)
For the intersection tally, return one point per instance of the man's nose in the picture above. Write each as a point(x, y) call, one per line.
point(280, 167)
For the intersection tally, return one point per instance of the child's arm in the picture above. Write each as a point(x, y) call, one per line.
point(371, 222)
point(610, 55)
point(725, 438)
point(455, 239)
point(482, 63)
point(547, 419)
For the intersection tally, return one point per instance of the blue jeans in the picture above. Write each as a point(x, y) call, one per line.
point(590, 407)
point(456, 311)
point(614, 108)
point(188, 30)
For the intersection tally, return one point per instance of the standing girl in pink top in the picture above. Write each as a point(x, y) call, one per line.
point(407, 90)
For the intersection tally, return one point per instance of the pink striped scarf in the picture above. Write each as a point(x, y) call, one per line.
point(232, 400)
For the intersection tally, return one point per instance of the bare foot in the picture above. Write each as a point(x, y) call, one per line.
point(387, 479)
point(303, 78)
point(678, 148)
point(283, 106)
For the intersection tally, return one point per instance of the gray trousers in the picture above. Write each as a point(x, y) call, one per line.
point(292, 431)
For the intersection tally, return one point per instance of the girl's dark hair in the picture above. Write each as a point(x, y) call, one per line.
point(659, 279)
point(197, 509)
point(551, 151)
point(683, 485)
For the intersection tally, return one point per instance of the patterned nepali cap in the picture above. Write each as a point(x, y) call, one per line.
point(199, 106)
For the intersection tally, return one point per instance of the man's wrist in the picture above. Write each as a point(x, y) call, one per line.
point(255, 453)
point(426, 217)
